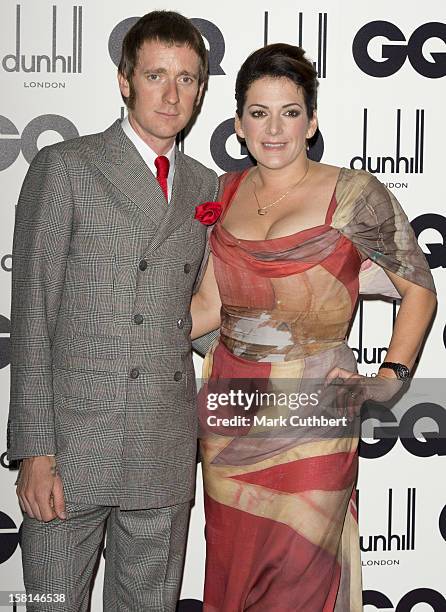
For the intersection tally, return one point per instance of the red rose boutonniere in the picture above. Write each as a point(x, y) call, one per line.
point(208, 212)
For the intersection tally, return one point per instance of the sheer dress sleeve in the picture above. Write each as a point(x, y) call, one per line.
point(370, 216)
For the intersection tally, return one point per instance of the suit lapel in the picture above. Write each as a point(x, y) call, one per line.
point(181, 207)
point(124, 167)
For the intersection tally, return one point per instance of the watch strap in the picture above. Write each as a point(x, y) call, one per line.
point(402, 371)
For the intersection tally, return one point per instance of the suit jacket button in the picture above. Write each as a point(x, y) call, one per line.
point(134, 373)
point(187, 268)
point(180, 323)
point(143, 265)
point(178, 376)
point(138, 319)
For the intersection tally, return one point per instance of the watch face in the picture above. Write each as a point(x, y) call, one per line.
point(402, 372)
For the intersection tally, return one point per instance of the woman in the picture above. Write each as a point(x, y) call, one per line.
point(281, 282)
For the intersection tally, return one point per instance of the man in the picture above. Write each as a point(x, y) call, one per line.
point(103, 389)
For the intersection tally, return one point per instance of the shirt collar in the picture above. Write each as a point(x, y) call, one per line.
point(146, 152)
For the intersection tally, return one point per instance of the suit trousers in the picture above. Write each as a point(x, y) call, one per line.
point(144, 557)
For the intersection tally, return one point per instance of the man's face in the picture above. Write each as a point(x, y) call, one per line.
point(165, 92)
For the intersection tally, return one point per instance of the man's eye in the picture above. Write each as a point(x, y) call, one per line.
point(186, 79)
point(153, 77)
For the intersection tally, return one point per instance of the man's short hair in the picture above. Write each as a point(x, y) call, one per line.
point(167, 27)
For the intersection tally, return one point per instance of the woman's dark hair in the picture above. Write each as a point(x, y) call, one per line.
point(167, 27)
point(276, 61)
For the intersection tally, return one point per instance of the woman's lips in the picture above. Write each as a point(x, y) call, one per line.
point(273, 146)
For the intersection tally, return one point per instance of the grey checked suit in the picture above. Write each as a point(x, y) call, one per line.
point(101, 370)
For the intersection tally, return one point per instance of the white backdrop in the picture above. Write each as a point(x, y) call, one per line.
point(58, 79)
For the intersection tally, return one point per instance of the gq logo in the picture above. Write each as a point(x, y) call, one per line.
point(224, 145)
point(390, 430)
point(395, 55)
point(6, 263)
point(190, 605)
point(442, 523)
point(407, 602)
point(12, 143)
point(436, 256)
point(210, 32)
point(9, 537)
point(5, 342)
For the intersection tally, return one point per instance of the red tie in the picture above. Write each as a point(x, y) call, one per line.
point(162, 170)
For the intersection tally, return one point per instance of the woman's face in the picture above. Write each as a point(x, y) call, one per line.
point(275, 124)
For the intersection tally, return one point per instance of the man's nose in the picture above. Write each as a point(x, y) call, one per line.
point(171, 92)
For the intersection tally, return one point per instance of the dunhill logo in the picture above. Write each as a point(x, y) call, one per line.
point(51, 62)
point(396, 163)
point(369, 354)
point(389, 540)
point(321, 63)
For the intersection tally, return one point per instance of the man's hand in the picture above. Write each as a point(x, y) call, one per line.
point(40, 489)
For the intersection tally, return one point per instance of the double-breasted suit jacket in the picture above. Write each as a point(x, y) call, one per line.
point(101, 370)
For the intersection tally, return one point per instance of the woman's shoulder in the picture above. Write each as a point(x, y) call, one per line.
point(229, 181)
point(361, 179)
point(350, 184)
point(360, 195)
point(232, 177)
point(323, 173)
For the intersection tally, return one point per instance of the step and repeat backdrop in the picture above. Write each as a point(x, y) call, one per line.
point(382, 68)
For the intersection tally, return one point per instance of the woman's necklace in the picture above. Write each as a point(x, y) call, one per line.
point(263, 210)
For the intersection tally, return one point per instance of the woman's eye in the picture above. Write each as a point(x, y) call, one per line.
point(258, 113)
point(292, 113)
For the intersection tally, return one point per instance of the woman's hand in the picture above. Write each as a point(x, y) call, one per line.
point(352, 390)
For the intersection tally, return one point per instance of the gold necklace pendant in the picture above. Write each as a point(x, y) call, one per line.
point(263, 210)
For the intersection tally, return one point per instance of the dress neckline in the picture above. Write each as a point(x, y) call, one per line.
point(310, 230)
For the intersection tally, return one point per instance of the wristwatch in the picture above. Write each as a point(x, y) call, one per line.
point(402, 372)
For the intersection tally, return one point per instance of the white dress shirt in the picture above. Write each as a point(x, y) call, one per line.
point(149, 154)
